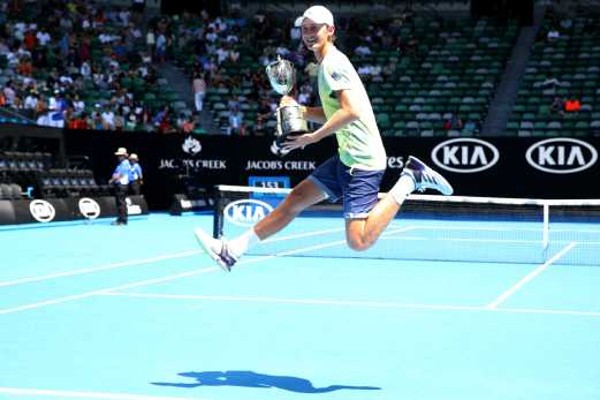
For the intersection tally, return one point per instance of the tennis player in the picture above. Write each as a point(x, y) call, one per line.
point(354, 173)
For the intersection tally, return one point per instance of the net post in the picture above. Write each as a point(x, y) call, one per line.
point(218, 213)
point(546, 227)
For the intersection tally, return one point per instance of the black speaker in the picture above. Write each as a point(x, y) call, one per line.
point(182, 203)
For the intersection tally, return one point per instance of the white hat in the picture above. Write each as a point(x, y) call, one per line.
point(317, 14)
point(133, 156)
point(121, 151)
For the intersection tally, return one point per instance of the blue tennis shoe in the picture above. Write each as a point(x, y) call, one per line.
point(425, 177)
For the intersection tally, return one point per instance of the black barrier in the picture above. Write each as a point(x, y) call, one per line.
point(184, 203)
point(51, 210)
point(7, 212)
point(496, 166)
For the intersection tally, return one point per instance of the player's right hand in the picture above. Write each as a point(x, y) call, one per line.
point(288, 101)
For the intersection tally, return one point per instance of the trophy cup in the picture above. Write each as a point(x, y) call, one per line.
point(282, 76)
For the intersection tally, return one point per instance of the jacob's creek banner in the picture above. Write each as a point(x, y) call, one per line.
point(532, 167)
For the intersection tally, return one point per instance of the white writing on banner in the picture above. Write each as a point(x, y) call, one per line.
point(89, 208)
point(265, 165)
point(561, 155)
point(174, 163)
point(395, 162)
point(42, 211)
point(246, 212)
point(465, 155)
point(132, 208)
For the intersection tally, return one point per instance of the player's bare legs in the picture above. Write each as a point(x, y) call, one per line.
point(226, 253)
point(304, 195)
point(362, 233)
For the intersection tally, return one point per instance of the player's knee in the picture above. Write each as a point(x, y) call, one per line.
point(357, 243)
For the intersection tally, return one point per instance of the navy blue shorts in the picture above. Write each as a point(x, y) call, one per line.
point(357, 188)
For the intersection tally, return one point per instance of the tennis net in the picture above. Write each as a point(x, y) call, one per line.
point(428, 227)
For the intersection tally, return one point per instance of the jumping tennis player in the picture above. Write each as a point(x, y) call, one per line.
point(354, 173)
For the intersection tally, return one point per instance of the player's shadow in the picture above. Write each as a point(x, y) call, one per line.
point(254, 380)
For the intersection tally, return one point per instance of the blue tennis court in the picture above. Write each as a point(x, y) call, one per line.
point(94, 311)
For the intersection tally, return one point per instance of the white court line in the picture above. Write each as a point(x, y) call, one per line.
point(80, 296)
point(304, 234)
point(470, 240)
point(352, 303)
point(148, 282)
point(284, 300)
point(96, 269)
point(530, 276)
point(61, 394)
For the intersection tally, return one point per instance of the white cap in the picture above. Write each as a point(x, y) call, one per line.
point(121, 151)
point(317, 14)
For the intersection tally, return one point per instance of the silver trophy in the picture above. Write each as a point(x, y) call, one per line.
point(282, 76)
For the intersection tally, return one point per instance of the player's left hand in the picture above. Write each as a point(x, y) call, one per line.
point(298, 141)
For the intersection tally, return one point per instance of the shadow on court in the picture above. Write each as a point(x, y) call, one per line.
point(254, 380)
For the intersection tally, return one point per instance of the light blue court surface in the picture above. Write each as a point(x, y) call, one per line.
point(93, 311)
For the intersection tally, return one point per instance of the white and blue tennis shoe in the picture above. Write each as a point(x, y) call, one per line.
point(216, 248)
point(425, 177)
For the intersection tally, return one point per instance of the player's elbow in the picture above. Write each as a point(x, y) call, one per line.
point(353, 113)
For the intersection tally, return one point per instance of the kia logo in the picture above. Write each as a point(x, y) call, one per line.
point(42, 211)
point(89, 208)
point(561, 155)
point(465, 155)
point(246, 212)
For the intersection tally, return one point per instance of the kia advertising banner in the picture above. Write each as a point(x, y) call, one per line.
point(549, 168)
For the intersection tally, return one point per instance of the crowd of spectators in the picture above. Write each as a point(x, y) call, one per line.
point(53, 64)
point(81, 65)
point(86, 65)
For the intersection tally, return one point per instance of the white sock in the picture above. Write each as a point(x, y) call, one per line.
point(242, 243)
point(403, 187)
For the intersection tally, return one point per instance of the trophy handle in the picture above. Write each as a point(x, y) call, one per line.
point(278, 127)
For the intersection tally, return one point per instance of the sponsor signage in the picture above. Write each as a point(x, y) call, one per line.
point(465, 155)
point(562, 155)
point(246, 212)
point(476, 166)
point(42, 211)
point(67, 209)
point(89, 208)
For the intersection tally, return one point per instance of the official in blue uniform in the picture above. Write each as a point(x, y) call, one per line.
point(120, 182)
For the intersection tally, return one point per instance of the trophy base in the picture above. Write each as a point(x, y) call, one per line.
point(291, 120)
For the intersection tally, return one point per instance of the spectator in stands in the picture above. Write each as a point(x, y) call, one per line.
point(550, 84)
point(572, 105)
point(553, 35)
point(454, 122)
point(120, 182)
point(557, 106)
point(108, 118)
point(78, 122)
point(136, 177)
point(472, 127)
point(199, 88)
point(94, 120)
point(130, 123)
point(161, 47)
point(30, 104)
point(236, 119)
point(188, 124)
